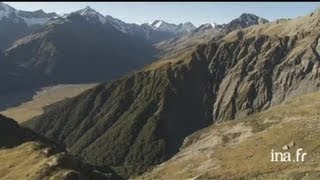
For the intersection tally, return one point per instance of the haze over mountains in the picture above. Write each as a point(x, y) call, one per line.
point(37, 46)
point(165, 82)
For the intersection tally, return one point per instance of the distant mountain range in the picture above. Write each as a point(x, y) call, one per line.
point(204, 34)
point(86, 46)
point(16, 23)
point(83, 46)
point(79, 47)
point(160, 25)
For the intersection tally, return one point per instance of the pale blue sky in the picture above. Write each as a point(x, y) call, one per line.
point(176, 12)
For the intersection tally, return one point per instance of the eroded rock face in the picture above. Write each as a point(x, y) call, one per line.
point(262, 71)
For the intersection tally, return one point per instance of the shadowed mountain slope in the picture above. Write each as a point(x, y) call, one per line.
point(73, 49)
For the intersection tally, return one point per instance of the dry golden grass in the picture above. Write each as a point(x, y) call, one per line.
point(43, 98)
point(25, 162)
point(247, 151)
point(181, 58)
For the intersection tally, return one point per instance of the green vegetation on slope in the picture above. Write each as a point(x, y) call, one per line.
point(132, 123)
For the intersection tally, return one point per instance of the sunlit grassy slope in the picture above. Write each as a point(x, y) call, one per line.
point(26, 162)
point(31, 161)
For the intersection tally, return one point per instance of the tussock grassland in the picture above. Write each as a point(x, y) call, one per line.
point(27, 161)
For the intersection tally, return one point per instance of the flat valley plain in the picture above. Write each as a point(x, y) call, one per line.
point(42, 98)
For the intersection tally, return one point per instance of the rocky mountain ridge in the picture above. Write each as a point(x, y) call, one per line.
point(16, 23)
point(204, 34)
point(38, 17)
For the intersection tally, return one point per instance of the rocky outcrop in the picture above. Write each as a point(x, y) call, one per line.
point(262, 71)
point(264, 68)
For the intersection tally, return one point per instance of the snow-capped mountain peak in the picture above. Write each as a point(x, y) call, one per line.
point(35, 17)
point(251, 19)
point(118, 24)
point(5, 7)
point(213, 24)
point(157, 23)
point(206, 27)
point(38, 17)
point(5, 10)
point(153, 23)
point(87, 11)
point(90, 14)
point(161, 25)
point(186, 27)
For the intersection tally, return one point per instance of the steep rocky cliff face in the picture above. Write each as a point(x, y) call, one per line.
point(264, 68)
point(263, 71)
point(141, 119)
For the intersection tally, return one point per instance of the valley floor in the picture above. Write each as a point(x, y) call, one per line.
point(42, 98)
